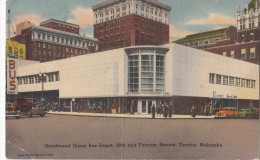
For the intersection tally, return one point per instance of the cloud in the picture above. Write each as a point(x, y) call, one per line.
point(177, 33)
point(82, 17)
point(36, 19)
point(212, 19)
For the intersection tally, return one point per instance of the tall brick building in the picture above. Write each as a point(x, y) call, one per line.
point(122, 23)
point(54, 40)
point(244, 44)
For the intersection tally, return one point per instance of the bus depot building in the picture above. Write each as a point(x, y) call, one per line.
point(109, 81)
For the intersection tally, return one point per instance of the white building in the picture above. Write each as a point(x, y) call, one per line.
point(144, 75)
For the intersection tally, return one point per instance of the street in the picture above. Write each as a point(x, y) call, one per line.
point(82, 137)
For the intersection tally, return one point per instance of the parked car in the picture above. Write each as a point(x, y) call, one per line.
point(248, 113)
point(227, 112)
point(37, 110)
point(256, 113)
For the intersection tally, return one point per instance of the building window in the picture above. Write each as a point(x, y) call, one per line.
point(243, 83)
point(31, 81)
point(237, 82)
point(218, 79)
point(56, 76)
point(225, 80)
point(43, 36)
point(39, 36)
point(253, 84)
point(48, 37)
point(231, 81)
point(15, 52)
point(43, 45)
point(252, 52)
point(58, 39)
point(159, 73)
point(232, 54)
point(243, 53)
point(248, 83)
point(212, 78)
point(147, 72)
point(50, 77)
point(206, 42)
point(196, 43)
point(251, 22)
point(20, 81)
point(224, 53)
point(133, 73)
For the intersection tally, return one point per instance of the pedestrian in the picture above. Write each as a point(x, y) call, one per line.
point(170, 109)
point(78, 106)
point(193, 111)
point(165, 110)
point(132, 108)
point(153, 111)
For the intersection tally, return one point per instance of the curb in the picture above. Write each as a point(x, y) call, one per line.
point(127, 116)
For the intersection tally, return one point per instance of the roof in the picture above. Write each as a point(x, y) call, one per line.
point(202, 35)
point(61, 22)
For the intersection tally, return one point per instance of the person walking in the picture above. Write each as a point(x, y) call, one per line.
point(153, 111)
point(193, 111)
point(170, 109)
point(132, 108)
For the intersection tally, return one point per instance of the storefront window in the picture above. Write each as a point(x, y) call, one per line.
point(159, 73)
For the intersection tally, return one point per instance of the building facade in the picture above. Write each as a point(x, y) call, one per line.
point(209, 39)
point(242, 43)
point(109, 81)
point(15, 50)
point(54, 40)
point(125, 23)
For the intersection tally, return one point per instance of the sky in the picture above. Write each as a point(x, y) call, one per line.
point(187, 16)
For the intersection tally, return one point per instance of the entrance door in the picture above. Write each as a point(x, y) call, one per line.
point(146, 106)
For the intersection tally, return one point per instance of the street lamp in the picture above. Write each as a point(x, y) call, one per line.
point(42, 77)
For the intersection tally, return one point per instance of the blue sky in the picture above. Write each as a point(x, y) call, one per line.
point(187, 16)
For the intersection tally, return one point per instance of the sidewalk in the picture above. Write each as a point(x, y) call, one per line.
point(147, 116)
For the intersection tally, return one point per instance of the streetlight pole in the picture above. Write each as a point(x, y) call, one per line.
point(42, 77)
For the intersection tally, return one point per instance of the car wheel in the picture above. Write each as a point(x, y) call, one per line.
point(29, 114)
point(42, 115)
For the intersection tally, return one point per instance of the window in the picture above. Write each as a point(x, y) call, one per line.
point(56, 75)
point(31, 81)
point(133, 72)
point(251, 22)
point(20, 81)
point(48, 37)
point(232, 54)
point(43, 36)
point(252, 52)
point(218, 79)
point(225, 80)
point(211, 78)
point(196, 43)
point(231, 81)
point(39, 36)
point(50, 77)
point(243, 83)
point(237, 82)
point(248, 83)
point(224, 53)
point(206, 42)
point(43, 45)
point(15, 52)
point(159, 73)
point(253, 84)
point(147, 72)
point(58, 39)
point(243, 53)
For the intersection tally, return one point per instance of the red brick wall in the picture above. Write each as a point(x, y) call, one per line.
point(61, 27)
point(237, 48)
point(130, 31)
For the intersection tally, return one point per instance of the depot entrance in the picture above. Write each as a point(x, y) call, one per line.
point(145, 106)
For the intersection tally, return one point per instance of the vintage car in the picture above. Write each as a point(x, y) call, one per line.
point(249, 113)
point(37, 110)
point(227, 112)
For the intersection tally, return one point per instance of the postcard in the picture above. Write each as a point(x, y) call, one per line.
point(132, 79)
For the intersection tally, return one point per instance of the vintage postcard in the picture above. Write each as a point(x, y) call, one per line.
point(132, 79)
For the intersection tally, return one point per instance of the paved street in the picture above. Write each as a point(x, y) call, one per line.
point(72, 137)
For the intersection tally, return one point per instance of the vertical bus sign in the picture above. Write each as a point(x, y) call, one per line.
point(11, 77)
